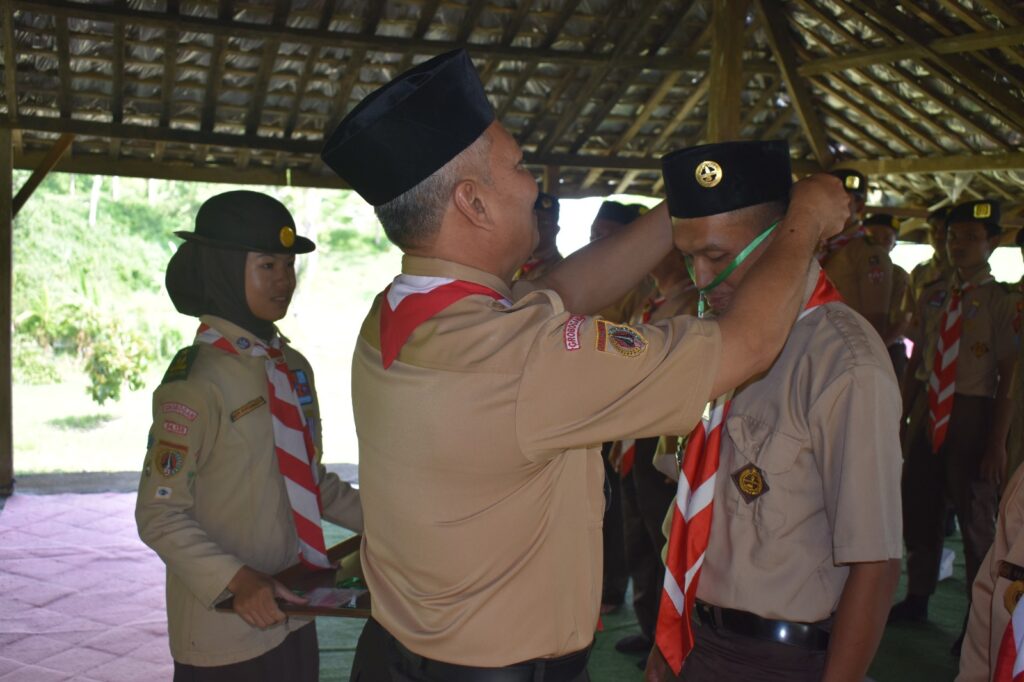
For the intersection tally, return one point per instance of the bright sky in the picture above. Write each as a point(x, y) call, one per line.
point(576, 215)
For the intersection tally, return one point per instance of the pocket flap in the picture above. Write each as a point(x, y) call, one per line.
point(758, 442)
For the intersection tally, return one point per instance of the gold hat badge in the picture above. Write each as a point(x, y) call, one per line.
point(983, 210)
point(546, 202)
point(287, 237)
point(708, 174)
point(852, 182)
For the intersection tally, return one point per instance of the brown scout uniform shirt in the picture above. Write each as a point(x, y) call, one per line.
point(870, 283)
point(211, 497)
point(480, 468)
point(539, 269)
point(822, 428)
point(986, 337)
point(989, 612)
point(1015, 449)
point(924, 275)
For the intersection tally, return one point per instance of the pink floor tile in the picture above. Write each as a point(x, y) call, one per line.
point(77, 660)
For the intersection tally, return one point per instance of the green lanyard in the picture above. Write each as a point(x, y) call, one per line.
point(724, 274)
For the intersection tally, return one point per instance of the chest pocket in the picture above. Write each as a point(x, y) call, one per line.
point(787, 474)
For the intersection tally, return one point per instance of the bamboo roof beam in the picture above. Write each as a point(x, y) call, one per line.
point(63, 67)
point(312, 57)
point(776, 26)
point(426, 18)
point(267, 62)
point(847, 99)
point(170, 46)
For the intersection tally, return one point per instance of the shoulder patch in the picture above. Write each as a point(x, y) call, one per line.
point(181, 365)
point(571, 333)
point(302, 388)
point(619, 338)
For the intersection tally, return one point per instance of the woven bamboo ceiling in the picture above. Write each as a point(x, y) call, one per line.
point(925, 96)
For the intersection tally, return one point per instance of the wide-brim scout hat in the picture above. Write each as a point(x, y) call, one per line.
point(718, 178)
point(247, 221)
point(854, 182)
point(403, 132)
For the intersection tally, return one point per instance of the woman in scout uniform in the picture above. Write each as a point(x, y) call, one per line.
point(232, 489)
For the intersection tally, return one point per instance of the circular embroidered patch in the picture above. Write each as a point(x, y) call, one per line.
point(708, 174)
point(170, 462)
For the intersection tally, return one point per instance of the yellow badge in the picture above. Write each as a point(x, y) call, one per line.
point(546, 202)
point(247, 408)
point(983, 210)
point(751, 482)
point(852, 182)
point(620, 338)
point(980, 349)
point(287, 237)
point(708, 174)
point(1012, 595)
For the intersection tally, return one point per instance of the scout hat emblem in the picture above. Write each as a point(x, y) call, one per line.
point(983, 210)
point(708, 174)
point(545, 202)
point(751, 483)
point(1013, 594)
point(851, 182)
point(287, 237)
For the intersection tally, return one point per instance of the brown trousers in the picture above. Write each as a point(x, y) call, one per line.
point(615, 576)
point(296, 659)
point(951, 473)
point(646, 497)
point(719, 656)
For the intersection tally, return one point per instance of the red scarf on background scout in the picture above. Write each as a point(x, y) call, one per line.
point(1010, 659)
point(293, 445)
point(839, 241)
point(691, 515)
point(411, 300)
point(942, 382)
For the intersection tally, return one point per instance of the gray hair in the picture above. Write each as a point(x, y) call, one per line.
point(414, 217)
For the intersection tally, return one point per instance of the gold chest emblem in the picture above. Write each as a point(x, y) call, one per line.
point(751, 482)
point(708, 174)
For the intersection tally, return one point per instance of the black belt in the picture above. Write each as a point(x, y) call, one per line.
point(1010, 571)
point(562, 669)
point(804, 635)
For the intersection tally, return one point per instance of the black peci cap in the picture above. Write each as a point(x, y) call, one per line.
point(853, 181)
point(247, 221)
point(617, 212)
point(986, 212)
point(884, 219)
point(547, 203)
point(718, 178)
point(406, 130)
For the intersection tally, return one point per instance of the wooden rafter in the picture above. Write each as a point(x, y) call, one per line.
point(726, 74)
point(312, 56)
point(10, 61)
point(426, 18)
point(170, 46)
point(469, 20)
point(213, 74)
point(266, 68)
point(853, 101)
point(64, 67)
point(1010, 51)
point(59, 148)
point(967, 73)
point(777, 28)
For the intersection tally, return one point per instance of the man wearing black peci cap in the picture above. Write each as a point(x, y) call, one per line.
point(546, 255)
point(964, 339)
point(227, 498)
point(795, 553)
point(478, 404)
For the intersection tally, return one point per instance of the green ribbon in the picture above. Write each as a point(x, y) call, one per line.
point(724, 274)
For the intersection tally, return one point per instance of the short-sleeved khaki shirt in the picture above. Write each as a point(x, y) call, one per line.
point(987, 336)
point(822, 429)
point(212, 499)
point(989, 614)
point(923, 275)
point(480, 468)
point(870, 283)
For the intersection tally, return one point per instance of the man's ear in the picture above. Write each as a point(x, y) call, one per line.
point(471, 204)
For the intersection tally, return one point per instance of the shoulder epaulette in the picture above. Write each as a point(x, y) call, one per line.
point(181, 365)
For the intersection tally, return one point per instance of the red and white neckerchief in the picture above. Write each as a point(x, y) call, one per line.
point(293, 445)
point(942, 381)
point(529, 266)
point(653, 303)
point(839, 241)
point(691, 515)
point(411, 300)
point(1010, 658)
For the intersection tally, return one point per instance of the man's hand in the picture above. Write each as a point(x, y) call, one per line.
point(993, 463)
point(820, 200)
point(657, 667)
point(254, 597)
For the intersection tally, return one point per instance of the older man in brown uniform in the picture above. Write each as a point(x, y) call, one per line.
point(804, 546)
point(963, 453)
point(480, 407)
